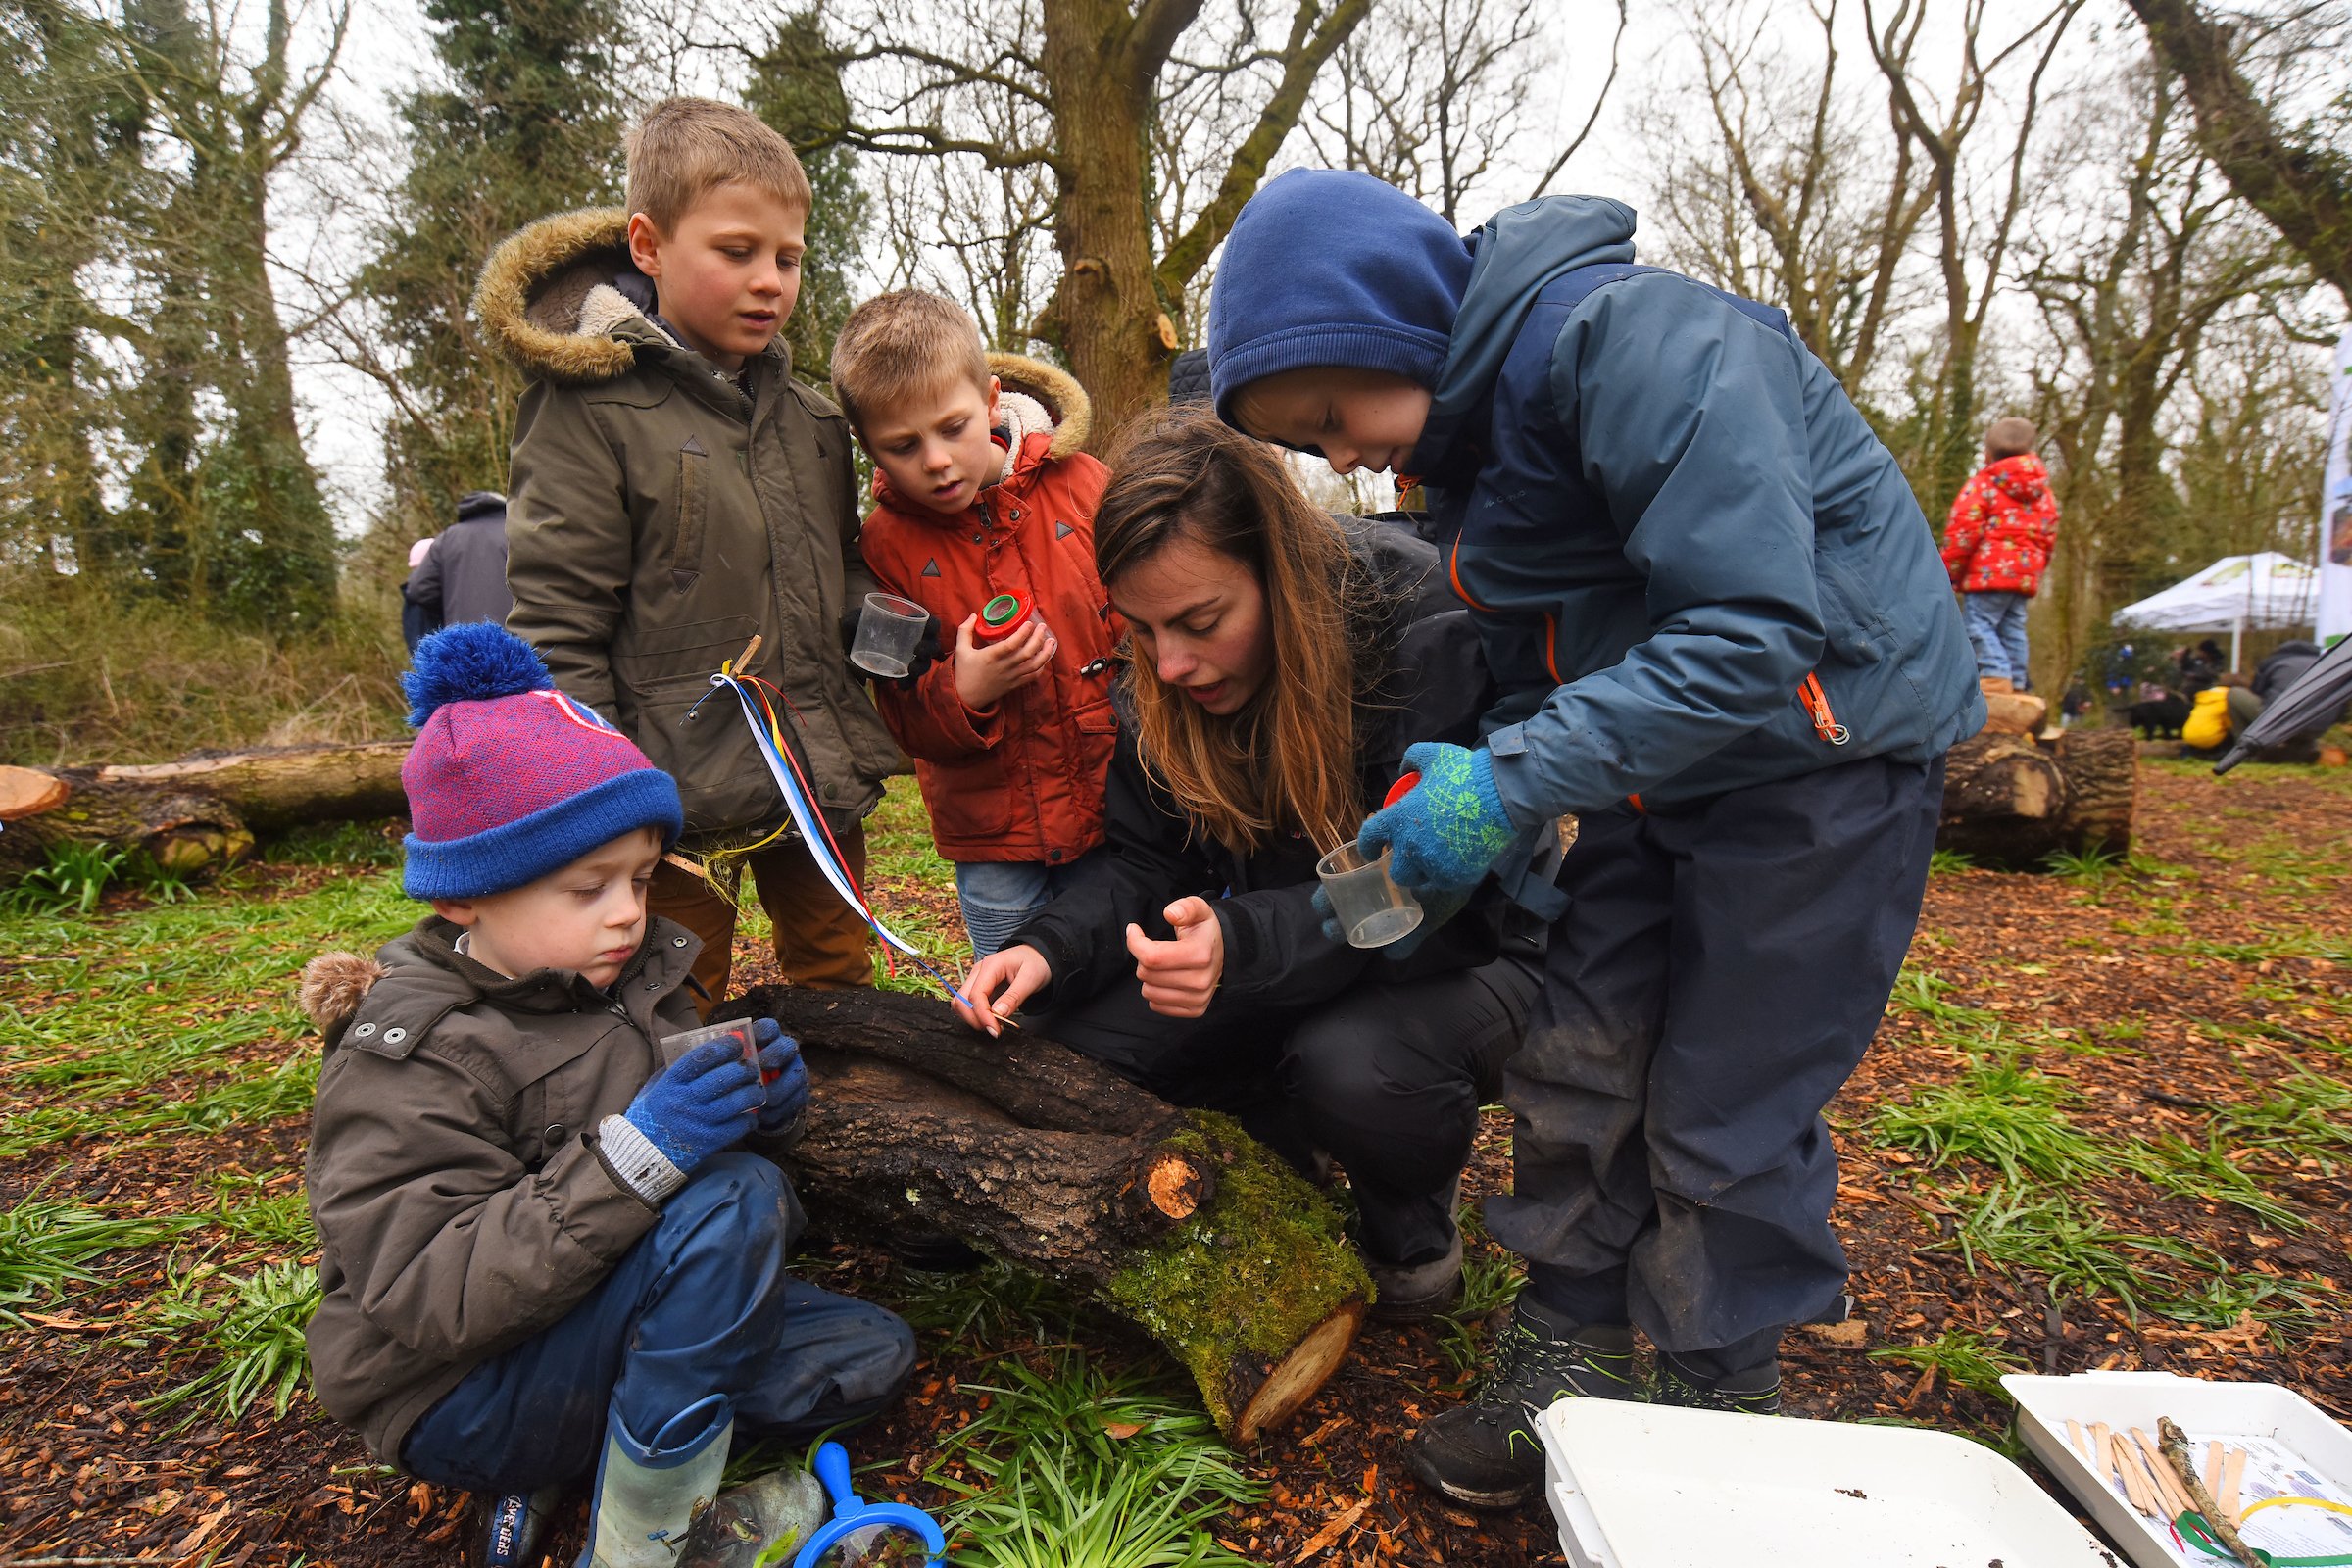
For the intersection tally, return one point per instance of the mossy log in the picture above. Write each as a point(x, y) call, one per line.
point(197, 814)
point(1175, 1219)
point(2010, 802)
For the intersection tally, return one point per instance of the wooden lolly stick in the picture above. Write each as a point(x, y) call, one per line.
point(2135, 1481)
point(2159, 1502)
point(2074, 1436)
point(2213, 1466)
point(2233, 1472)
point(2176, 1499)
point(2103, 1460)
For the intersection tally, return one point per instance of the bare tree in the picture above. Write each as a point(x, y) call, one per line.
point(1970, 257)
point(1075, 97)
point(1785, 190)
point(1439, 97)
point(2291, 175)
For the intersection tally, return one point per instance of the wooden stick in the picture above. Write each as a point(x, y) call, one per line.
point(2105, 1463)
point(2213, 1465)
point(2233, 1472)
point(2177, 1500)
point(2223, 1525)
point(2074, 1436)
point(2136, 1480)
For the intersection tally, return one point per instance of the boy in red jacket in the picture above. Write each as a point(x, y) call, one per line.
point(2002, 527)
point(984, 514)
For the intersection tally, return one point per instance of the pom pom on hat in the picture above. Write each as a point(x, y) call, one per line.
point(509, 779)
point(471, 663)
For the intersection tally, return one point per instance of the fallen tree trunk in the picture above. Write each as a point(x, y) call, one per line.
point(1175, 1219)
point(198, 815)
point(2010, 802)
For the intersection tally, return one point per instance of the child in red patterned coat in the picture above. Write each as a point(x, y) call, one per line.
point(1997, 545)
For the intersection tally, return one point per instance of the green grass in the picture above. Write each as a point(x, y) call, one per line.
point(2206, 1173)
point(1490, 1282)
point(48, 1245)
point(250, 1335)
point(1944, 863)
point(177, 1017)
point(2068, 1243)
point(1072, 1467)
point(1921, 992)
point(1962, 1358)
point(2288, 1309)
point(2097, 865)
point(995, 1303)
point(2006, 1115)
point(2306, 1115)
point(278, 1222)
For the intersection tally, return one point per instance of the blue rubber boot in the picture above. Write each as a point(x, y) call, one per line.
point(647, 1493)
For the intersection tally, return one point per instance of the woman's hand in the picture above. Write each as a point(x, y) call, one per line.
point(998, 986)
point(988, 672)
point(1180, 977)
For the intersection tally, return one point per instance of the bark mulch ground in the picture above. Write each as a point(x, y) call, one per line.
point(2196, 983)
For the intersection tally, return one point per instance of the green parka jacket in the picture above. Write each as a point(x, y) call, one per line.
point(462, 1199)
point(658, 517)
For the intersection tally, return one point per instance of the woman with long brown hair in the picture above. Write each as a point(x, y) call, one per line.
point(1282, 660)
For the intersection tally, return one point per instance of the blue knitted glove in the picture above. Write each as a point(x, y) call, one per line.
point(1447, 829)
point(784, 1073)
point(702, 1103)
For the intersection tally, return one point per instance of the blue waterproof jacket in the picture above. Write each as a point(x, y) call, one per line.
point(1692, 565)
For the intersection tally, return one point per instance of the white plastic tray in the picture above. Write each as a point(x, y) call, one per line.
point(2205, 1410)
point(1640, 1486)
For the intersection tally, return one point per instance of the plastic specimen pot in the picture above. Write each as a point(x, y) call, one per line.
point(890, 632)
point(1373, 910)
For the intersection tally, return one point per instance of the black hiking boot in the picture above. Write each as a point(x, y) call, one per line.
point(1754, 1391)
point(1486, 1453)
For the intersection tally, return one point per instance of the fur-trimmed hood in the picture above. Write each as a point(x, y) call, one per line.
point(552, 297)
point(1035, 397)
point(333, 985)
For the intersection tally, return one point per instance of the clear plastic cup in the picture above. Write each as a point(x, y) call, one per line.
point(1373, 910)
point(890, 632)
point(676, 1046)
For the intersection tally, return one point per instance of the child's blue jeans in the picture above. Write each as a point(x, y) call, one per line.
point(700, 1305)
point(997, 895)
point(1996, 627)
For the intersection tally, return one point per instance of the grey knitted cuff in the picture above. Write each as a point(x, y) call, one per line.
point(636, 1161)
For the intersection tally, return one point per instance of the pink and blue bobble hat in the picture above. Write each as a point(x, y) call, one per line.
point(508, 778)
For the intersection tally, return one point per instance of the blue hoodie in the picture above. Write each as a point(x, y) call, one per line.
point(1694, 566)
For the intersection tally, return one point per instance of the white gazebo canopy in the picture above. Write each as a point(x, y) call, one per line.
point(2236, 592)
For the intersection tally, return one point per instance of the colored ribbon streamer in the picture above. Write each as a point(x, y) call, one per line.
point(768, 736)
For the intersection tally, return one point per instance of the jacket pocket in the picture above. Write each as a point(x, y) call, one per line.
point(694, 506)
point(724, 783)
point(1851, 631)
point(970, 803)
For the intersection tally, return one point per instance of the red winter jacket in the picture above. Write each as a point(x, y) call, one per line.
point(1023, 781)
point(2002, 527)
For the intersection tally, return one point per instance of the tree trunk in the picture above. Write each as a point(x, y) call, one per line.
point(2009, 803)
point(2305, 193)
point(197, 814)
point(1175, 1219)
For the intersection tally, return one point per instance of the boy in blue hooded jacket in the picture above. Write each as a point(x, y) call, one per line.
point(1728, 648)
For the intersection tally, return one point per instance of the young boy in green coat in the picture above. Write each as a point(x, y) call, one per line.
point(676, 492)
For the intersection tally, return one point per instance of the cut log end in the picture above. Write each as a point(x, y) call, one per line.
point(1267, 1396)
point(28, 792)
point(1176, 1185)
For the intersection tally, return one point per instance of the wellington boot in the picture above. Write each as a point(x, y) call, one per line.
point(647, 1494)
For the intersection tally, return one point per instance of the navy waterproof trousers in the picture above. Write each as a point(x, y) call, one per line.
point(1715, 980)
point(701, 1306)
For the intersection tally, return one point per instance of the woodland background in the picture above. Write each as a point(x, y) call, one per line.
point(238, 237)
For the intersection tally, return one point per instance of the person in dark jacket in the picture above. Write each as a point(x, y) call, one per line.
point(1282, 661)
point(1728, 646)
point(464, 577)
point(417, 623)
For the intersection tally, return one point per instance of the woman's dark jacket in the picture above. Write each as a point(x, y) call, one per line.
point(1422, 678)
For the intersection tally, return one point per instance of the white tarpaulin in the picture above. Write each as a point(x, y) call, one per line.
point(2237, 593)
